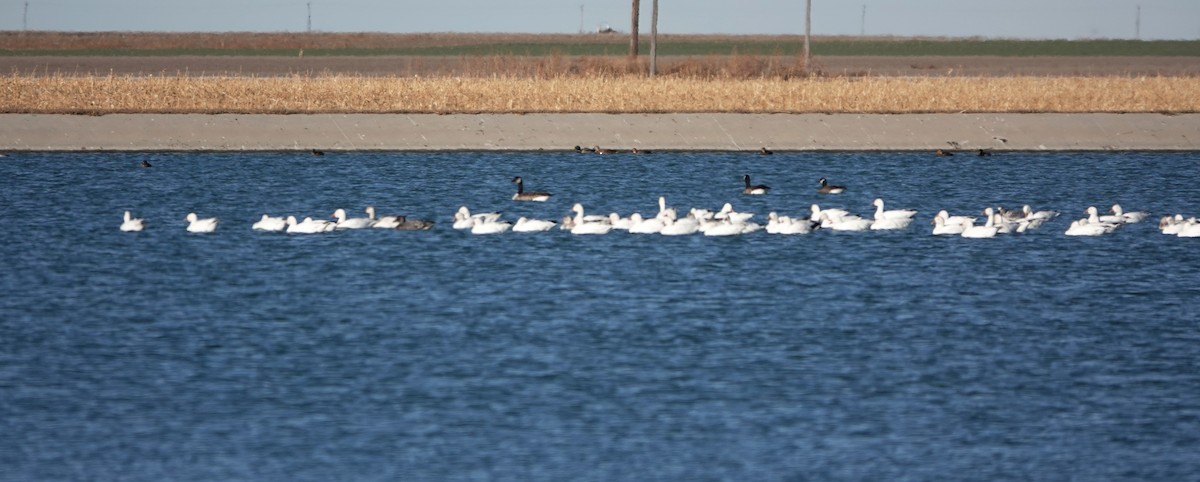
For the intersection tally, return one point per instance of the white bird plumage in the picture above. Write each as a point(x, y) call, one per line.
point(132, 224)
point(197, 225)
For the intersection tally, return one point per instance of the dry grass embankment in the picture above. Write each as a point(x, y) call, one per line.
point(613, 94)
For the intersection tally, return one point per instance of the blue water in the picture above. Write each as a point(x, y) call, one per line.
point(437, 355)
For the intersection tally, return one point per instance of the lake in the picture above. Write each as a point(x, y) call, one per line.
point(439, 355)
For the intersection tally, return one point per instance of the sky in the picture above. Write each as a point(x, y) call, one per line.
point(1033, 19)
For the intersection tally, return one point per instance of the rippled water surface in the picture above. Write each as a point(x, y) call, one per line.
point(379, 355)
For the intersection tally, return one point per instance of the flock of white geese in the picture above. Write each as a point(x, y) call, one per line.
point(726, 221)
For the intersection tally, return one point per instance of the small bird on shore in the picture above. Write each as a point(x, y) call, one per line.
point(827, 188)
point(754, 190)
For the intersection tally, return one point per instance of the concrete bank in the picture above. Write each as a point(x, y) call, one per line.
point(237, 132)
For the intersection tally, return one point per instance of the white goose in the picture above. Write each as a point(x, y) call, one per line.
point(953, 220)
point(727, 213)
point(463, 219)
point(777, 224)
point(890, 224)
point(309, 226)
point(350, 223)
point(132, 224)
point(680, 227)
point(526, 225)
point(495, 226)
point(1082, 227)
point(1108, 222)
point(586, 225)
point(1189, 229)
point(940, 227)
point(645, 226)
point(832, 214)
point(383, 222)
point(845, 223)
point(268, 223)
point(665, 212)
point(970, 230)
point(1134, 217)
point(197, 225)
point(880, 213)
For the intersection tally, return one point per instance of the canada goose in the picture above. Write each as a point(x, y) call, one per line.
point(197, 225)
point(756, 189)
point(762, 151)
point(145, 163)
point(827, 188)
point(943, 153)
point(131, 224)
point(521, 195)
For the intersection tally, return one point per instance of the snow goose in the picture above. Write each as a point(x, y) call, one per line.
point(1108, 222)
point(880, 213)
point(132, 224)
point(888, 224)
point(494, 226)
point(680, 227)
point(526, 225)
point(953, 220)
point(832, 214)
point(722, 228)
point(940, 227)
point(1172, 225)
point(309, 226)
point(645, 226)
point(197, 225)
point(521, 195)
point(268, 223)
point(665, 212)
point(1134, 217)
point(383, 222)
point(845, 223)
point(463, 219)
point(827, 188)
point(777, 224)
point(621, 223)
point(1082, 227)
point(586, 225)
point(350, 223)
point(727, 213)
point(755, 189)
point(1189, 229)
point(970, 230)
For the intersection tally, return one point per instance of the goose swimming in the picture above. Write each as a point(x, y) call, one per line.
point(755, 189)
point(132, 224)
point(268, 223)
point(197, 225)
point(521, 195)
point(827, 188)
point(350, 223)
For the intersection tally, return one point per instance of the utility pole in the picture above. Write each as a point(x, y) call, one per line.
point(1137, 24)
point(309, 17)
point(581, 18)
point(862, 29)
point(25, 18)
point(633, 31)
point(807, 32)
point(654, 38)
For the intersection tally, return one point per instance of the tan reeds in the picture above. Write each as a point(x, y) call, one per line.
point(615, 93)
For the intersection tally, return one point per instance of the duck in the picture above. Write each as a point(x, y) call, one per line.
point(763, 151)
point(132, 224)
point(600, 150)
point(1134, 217)
point(526, 225)
point(640, 151)
point(268, 223)
point(521, 195)
point(983, 152)
point(197, 225)
point(942, 153)
point(383, 222)
point(827, 188)
point(583, 149)
point(145, 163)
point(350, 223)
point(318, 152)
point(880, 213)
point(585, 225)
point(970, 230)
point(754, 190)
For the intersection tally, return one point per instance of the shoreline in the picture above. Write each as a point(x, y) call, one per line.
point(533, 132)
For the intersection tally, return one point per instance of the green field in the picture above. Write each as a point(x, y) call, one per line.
point(618, 46)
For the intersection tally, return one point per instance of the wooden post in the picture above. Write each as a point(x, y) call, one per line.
point(633, 31)
point(807, 32)
point(654, 38)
